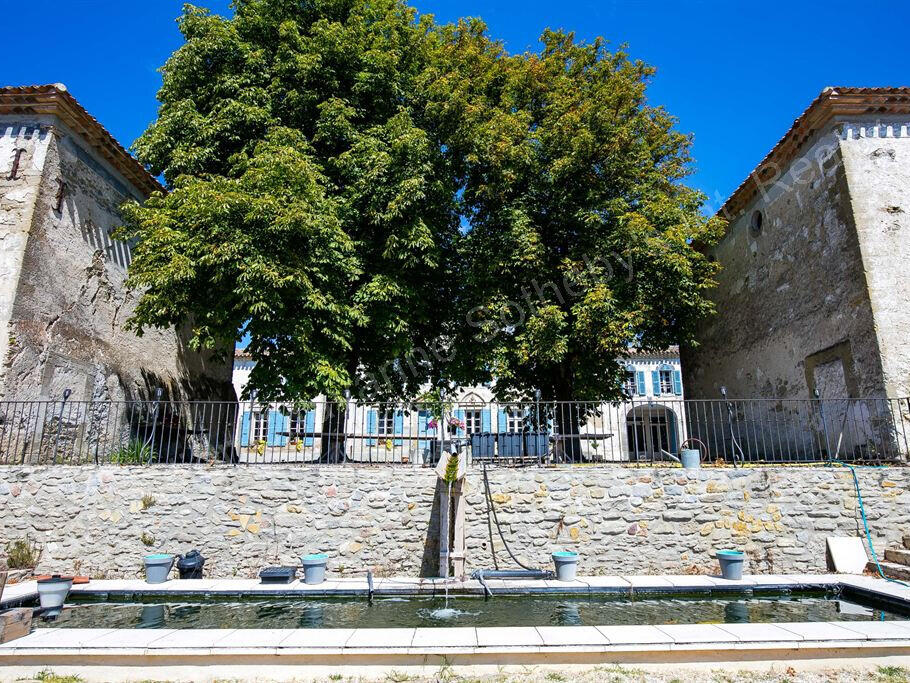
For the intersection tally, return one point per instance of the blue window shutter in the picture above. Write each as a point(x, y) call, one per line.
point(485, 420)
point(371, 426)
point(245, 429)
point(655, 382)
point(309, 426)
point(671, 427)
point(422, 418)
point(677, 383)
point(459, 414)
point(640, 381)
point(277, 423)
point(502, 421)
point(398, 426)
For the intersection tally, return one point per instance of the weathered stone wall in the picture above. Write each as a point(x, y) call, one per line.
point(877, 162)
point(62, 301)
point(102, 520)
point(793, 289)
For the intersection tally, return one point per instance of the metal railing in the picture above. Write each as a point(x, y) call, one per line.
point(639, 430)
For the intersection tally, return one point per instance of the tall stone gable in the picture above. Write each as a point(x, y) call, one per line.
point(813, 294)
point(62, 296)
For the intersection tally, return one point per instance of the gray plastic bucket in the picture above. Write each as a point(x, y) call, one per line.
point(690, 458)
point(157, 567)
point(731, 564)
point(566, 565)
point(314, 567)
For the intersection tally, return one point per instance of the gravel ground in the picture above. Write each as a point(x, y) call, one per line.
point(608, 674)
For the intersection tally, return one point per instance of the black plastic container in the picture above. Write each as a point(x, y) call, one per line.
point(278, 574)
point(190, 565)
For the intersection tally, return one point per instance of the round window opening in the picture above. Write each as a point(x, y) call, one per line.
point(756, 223)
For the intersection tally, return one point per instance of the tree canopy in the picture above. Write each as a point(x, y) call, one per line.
point(582, 240)
point(357, 188)
point(309, 202)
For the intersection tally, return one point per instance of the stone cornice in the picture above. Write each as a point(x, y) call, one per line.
point(55, 100)
point(831, 104)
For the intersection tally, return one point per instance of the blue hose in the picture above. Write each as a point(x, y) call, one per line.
point(862, 512)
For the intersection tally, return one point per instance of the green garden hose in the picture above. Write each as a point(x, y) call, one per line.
point(862, 512)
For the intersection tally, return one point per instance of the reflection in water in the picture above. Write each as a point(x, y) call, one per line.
point(152, 616)
point(312, 617)
point(736, 613)
point(515, 610)
point(568, 614)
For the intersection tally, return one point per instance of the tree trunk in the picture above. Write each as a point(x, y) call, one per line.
point(567, 421)
point(332, 443)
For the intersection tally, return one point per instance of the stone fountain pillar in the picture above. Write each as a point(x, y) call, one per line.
point(452, 507)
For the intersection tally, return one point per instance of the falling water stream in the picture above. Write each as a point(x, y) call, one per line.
point(446, 612)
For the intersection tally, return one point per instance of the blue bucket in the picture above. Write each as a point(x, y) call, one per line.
point(566, 565)
point(731, 564)
point(314, 567)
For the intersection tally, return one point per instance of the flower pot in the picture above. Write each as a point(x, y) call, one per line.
point(52, 592)
point(566, 565)
point(731, 564)
point(157, 567)
point(314, 567)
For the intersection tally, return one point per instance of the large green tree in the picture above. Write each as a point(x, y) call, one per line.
point(311, 205)
point(582, 240)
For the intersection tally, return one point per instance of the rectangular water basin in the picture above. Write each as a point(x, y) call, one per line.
point(85, 610)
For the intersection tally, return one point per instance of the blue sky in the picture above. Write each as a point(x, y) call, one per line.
point(735, 74)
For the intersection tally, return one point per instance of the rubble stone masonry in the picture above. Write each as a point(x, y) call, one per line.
point(101, 520)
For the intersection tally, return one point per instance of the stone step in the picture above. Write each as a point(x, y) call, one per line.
point(891, 570)
point(907, 542)
point(898, 556)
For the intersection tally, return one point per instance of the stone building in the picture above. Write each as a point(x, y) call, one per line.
point(650, 420)
point(813, 291)
point(63, 178)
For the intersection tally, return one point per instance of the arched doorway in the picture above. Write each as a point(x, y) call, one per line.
point(649, 430)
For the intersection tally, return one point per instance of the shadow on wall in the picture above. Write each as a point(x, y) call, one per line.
point(429, 563)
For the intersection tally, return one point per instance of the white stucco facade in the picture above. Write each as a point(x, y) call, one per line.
point(651, 420)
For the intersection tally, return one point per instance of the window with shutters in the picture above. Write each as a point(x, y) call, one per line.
point(385, 423)
point(473, 420)
point(631, 385)
point(515, 418)
point(260, 430)
point(666, 381)
point(297, 423)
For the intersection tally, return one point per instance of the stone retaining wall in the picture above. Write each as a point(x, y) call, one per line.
point(100, 521)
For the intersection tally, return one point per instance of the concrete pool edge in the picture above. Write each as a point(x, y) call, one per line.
point(93, 650)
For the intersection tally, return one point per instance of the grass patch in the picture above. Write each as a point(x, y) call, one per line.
point(48, 676)
point(134, 453)
point(22, 553)
point(892, 674)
